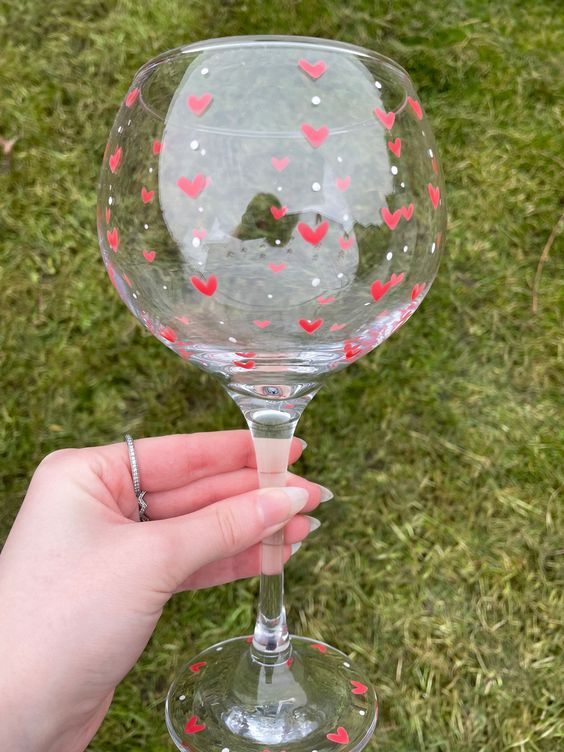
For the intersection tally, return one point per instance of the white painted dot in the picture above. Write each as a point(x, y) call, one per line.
point(433, 247)
point(315, 100)
point(405, 248)
point(362, 712)
point(340, 275)
point(279, 188)
point(345, 217)
point(204, 71)
point(135, 296)
point(217, 650)
point(196, 242)
point(402, 184)
point(232, 339)
point(339, 159)
point(315, 282)
point(315, 187)
point(203, 152)
point(165, 287)
point(129, 122)
point(269, 296)
point(182, 698)
point(377, 84)
point(222, 322)
point(146, 227)
point(367, 304)
point(120, 129)
point(200, 263)
point(225, 749)
point(150, 169)
point(277, 241)
point(394, 170)
point(200, 209)
point(194, 145)
point(430, 153)
point(389, 255)
point(110, 201)
point(422, 133)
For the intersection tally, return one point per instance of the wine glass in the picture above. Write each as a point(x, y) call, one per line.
point(271, 209)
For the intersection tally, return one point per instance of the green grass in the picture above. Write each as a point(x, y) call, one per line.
point(437, 564)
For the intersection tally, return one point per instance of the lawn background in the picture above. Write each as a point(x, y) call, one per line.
point(437, 564)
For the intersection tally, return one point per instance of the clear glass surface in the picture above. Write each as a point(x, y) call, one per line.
point(271, 209)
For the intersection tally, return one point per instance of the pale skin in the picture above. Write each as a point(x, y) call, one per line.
point(83, 582)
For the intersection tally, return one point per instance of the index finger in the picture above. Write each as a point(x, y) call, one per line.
point(168, 462)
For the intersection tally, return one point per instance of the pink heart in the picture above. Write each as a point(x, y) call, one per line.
point(276, 267)
point(315, 136)
point(315, 70)
point(391, 218)
point(434, 194)
point(195, 667)
point(340, 736)
point(206, 288)
point(192, 188)
point(416, 107)
point(199, 105)
point(379, 289)
point(146, 195)
point(115, 159)
point(395, 279)
point(324, 301)
point(113, 238)
point(244, 364)
point(321, 648)
point(343, 183)
point(200, 234)
point(358, 688)
point(310, 327)
point(345, 243)
point(149, 256)
point(261, 324)
point(278, 212)
point(336, 327)
point(131, 97)
point(157, 147)
point(395, 146)
point(193, 727)
point(407, 211)
point(313, 236)
point(280, 163)
point(417, 289)
point(169, 334)
point(386, 118)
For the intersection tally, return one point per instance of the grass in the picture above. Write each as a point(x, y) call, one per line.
point(437, 564)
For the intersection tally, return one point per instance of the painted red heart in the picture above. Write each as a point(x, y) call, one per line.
point(199, 105)
point(358, 687)
point(200, 234)
point(313, 236)
point(108, 214)
point(195, 667)
point(379, 289)
point(289, 662)
point(149, 256)
point(386, 118)
point(146, 195)
point(193, 727)
point(131, 97)
point(416, 107)
point(278, 211)
point(277, 267)
point(310, 326)
point(391, 218)
point(115, 159)
point(324, 301)
point(407, 211)
point(249, 639)
point(246, 355)
point(192, 188)
point(247, 364)
point(417, 289)
point(261, 324)
point(113, 238)
point(343, 183)
point(206, 288)
point(321, 648)
point(315, 70)
point(157, 147)
point(169, 334)
point(336, 327)
point(280, 163)
point(345, 243)
point(434, 194)
point(395, 279)
point(315, 136)
point(395, 147)
point(340, 736)
point(352, 350)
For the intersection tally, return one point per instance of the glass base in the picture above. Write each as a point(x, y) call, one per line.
point(226, 700)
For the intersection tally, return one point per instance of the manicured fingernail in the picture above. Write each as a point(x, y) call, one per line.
point(280, 504)
point(314, 523)
point(326, 494)
point(303, 443)
point(295, 548)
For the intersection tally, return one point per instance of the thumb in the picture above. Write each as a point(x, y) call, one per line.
point(220, 530)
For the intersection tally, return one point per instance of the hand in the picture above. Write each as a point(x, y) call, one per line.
point(83, 582)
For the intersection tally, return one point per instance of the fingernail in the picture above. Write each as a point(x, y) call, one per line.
point(279, 504)
point(326, 494)
point(303, 443)
point(295, 548)
point(314, 523)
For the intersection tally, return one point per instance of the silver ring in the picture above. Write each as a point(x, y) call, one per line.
point(139, 494)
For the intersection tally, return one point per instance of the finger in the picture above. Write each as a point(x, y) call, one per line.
point(182, 545)
point(206, 491)
point(167, 462)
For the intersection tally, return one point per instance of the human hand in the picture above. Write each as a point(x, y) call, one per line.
point(83, 583)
